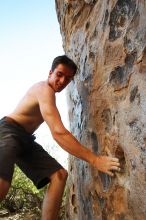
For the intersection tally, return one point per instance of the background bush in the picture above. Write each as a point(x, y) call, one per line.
point(24, 201)
point(23, 195)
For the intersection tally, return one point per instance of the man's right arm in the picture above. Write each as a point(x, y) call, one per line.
point(66, 140)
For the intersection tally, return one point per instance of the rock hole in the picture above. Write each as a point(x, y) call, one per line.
point(73, 200)
point(105, 19)
point(119, 153)
point(130, 58)
point(75, 210)
point(107, 119)
point(94, 142)
point(71, 168)
point(91, 55)
point(123, 10)
point(145, 141)
point(133, 93)
point(87, 25)
point(119, 77)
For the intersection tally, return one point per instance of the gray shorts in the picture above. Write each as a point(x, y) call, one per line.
point(18, 146)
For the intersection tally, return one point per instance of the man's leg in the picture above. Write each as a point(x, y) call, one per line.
point(4, 188)
point(53, 196)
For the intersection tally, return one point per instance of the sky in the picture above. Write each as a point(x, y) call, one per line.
point(29, 41)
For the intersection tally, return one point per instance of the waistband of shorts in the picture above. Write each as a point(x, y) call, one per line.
point(17, 126)
point(11, 120)
point(14, 123)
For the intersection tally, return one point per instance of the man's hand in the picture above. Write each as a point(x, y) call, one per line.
point(107, 164)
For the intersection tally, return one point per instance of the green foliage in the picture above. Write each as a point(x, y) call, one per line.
point(24, 198)
point(23, 195)
point(20, 180)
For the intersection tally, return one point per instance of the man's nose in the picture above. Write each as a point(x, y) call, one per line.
point(62, 80)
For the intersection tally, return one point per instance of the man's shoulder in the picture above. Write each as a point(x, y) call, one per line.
point(40, 86)
point(42, 89)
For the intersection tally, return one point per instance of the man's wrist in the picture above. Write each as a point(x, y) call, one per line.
point(92, 158)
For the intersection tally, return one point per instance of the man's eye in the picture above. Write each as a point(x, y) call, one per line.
point(59, 74)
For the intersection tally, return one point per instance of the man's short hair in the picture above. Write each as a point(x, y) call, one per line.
point(64, 60)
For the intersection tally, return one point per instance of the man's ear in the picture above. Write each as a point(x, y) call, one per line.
point(50, 73)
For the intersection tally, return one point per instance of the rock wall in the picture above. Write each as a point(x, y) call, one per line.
point(107, 105)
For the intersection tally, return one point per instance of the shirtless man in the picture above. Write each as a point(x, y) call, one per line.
point(17, 143)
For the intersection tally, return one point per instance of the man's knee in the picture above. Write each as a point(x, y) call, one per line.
point(60, 175)
point(4, 188)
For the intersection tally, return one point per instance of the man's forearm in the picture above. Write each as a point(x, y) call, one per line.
point(104, 164)
point(70, 144)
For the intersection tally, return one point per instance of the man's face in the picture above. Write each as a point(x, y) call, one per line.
point(60, 77)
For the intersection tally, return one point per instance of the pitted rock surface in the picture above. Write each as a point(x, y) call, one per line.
point(107, 105)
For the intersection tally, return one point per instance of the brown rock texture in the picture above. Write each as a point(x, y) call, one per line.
point(107, 105)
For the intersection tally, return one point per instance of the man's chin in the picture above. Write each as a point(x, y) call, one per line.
point(59, 89)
